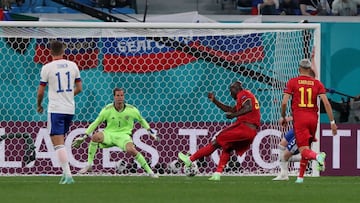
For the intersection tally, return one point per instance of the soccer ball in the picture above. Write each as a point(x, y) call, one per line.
point(192, 170)
point(174, 167)
point(121, 167)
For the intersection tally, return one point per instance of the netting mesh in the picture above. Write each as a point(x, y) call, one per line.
point(166, 73)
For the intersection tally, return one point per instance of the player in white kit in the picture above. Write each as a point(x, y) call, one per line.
point(63, 80)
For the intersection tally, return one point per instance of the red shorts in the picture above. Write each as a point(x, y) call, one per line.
point(305, 129)
point(237, 136)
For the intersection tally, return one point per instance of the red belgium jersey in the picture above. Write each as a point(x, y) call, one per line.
point(252, 117)
point(305, 91)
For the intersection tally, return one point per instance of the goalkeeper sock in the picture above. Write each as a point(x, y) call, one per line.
point(141, 159)
point(93, 146)
point(282, 151)
point(63, 159)
point(205, 151)
point(284, 168)
point(283, 163)
point(224, 158)
point(295, 158)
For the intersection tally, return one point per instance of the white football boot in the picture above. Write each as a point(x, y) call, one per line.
point(86, 169)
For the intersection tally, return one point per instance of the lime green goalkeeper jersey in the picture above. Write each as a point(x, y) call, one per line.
point(121, 122)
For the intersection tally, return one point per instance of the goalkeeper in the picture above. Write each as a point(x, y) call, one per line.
point(119, 118)
point(288, 152)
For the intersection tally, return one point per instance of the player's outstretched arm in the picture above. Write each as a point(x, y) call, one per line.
point(314, 73)
point(101, 117)
point(153, 134)
point(219, 104)
point(329, 112)
point(246, 108)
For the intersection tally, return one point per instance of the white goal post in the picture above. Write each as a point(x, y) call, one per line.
point(166, 69)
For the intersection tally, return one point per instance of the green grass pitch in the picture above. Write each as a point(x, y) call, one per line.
point(173, 189)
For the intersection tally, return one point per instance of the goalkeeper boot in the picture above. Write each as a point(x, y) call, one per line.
point(185, 158)
point(66, 180)
point(215, 177)
point(153, 175)
point(86, 169)
point(299, 180)
point(281, 177)
point(320, 158)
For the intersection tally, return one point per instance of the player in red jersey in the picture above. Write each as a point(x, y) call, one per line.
point(238, 136)
point(304, 90)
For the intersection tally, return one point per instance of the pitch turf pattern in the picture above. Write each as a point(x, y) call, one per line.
point(89, 189)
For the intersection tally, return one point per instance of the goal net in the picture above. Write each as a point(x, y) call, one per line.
point(167, 71)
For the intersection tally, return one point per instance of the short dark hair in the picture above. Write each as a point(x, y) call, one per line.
point(236, 84)
point(117, 89)
point(56, 48)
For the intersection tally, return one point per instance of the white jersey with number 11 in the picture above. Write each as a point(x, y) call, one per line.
point(60, 76)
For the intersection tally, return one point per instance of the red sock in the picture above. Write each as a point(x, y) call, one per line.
point(224, 158)
point(205, 151)
point(308, 154)
point(303, 165)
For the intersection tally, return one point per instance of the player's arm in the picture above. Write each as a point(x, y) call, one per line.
point(78, 82)
point(314, 72)
point(41, 90)
point(101, 117)
point(284, 102)
point(141, 119)
point(146, 125)
point(219, 104)
point(40, 97)
point(329, 112)
point(78, 87)
point(246, 107)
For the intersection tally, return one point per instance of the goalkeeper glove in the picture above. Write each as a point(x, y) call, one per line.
point(153, 134)
point(78, 141)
